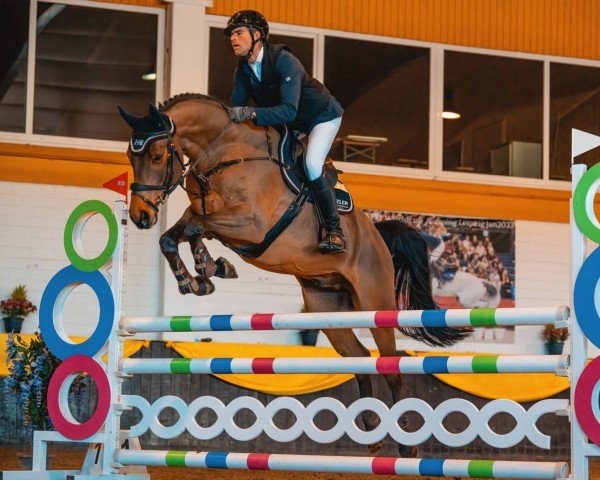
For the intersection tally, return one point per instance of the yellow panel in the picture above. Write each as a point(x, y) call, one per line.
point(552, 27)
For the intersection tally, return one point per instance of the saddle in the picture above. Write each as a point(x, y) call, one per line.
point(292, 151)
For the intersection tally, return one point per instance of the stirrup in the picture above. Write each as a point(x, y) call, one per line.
point(329, 245)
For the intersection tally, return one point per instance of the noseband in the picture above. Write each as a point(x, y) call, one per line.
point(168, 186)
point(202, 178)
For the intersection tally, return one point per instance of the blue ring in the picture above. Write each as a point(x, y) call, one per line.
point(583, 298)
point(61, 280)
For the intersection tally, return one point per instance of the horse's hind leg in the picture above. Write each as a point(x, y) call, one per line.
point(343, 340)
point(169, 246)
point(386, 343)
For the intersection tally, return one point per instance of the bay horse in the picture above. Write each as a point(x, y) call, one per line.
point(237, 194)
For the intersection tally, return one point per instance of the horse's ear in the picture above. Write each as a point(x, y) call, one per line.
point(131, 119)
point(154, 113)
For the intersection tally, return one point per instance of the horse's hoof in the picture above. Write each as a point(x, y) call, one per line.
point(408, 451)
point(373, 448)
point(225, 269)
point(205, 287)
point(188, 287)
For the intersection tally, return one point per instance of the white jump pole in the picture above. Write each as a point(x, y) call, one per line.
point(478, 317)
point(356, 365)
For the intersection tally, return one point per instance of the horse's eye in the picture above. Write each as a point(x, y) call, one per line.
point(157, 157)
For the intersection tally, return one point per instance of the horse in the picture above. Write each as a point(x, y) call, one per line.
point(237, 195)
point(470, 291)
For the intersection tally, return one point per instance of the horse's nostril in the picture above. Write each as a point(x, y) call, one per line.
point(144, 220)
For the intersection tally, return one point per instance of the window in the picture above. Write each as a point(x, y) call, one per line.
point(574, 103)
point(87, 61)
point(14, 28)
point(222, 61)
point(500, 103)
point(384, 89)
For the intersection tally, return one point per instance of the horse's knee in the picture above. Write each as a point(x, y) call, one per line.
point(193, 229)
point(167, 244)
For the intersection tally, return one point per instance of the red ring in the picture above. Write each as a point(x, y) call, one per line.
point(77, 364)
point(584, 391)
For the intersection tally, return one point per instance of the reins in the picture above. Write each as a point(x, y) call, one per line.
point(189, 168)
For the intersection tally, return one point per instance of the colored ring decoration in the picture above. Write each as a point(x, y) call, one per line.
point(583, 204)
point(585, 398)
point(82, 210)
point(584, 297)
point(77, 364)
point(55, 291)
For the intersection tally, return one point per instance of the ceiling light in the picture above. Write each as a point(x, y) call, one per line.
point(149, 76)
point(450, 111)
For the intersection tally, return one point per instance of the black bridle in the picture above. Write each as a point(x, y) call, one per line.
point(167, 186)
point(202, 178)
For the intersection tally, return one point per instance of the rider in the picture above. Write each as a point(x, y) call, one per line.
point(285, 94)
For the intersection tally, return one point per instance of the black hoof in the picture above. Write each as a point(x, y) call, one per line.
point(190, 287)
point(205, 287)
point(225, 269)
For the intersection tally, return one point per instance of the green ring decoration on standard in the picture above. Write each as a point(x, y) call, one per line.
point(583, 203)
point(84, 210)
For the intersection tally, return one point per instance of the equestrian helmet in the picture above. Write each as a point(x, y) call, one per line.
point(247, 18)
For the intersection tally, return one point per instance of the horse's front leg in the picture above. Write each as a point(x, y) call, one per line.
point(169, 246)
point(203, 262)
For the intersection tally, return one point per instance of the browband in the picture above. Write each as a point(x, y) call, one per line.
point(140, 141)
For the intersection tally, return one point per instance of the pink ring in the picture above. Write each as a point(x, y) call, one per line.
point(584, 391)
point(77, 364)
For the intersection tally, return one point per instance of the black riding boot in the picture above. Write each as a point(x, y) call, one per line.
point(324, 197)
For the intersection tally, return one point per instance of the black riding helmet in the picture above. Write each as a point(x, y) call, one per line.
point(247, 18)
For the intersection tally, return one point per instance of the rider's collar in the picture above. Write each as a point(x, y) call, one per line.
point(140, 141)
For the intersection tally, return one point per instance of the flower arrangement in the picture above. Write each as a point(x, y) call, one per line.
point(552, 334)
point(17, 305)
point(31, 365)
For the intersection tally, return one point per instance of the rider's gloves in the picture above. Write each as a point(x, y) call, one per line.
point(239, 114)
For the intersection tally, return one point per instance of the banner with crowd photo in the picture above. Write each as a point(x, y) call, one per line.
point(472, 260)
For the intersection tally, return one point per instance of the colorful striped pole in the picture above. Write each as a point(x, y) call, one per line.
point(346, 464)
point(369, 365)
point(479, 317)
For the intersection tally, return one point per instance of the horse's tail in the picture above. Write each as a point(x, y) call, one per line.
point(413, 282)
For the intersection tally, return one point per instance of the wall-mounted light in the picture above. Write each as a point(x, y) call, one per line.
point(450, 111)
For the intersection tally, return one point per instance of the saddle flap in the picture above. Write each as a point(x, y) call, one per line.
point(291, 154)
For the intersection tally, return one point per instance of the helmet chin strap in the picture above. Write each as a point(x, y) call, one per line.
point(254, 42)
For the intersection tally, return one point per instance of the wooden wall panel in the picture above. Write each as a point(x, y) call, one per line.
point(552, 27)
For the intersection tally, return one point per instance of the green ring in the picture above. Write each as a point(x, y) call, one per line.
point(582, 218)
point(90, 264)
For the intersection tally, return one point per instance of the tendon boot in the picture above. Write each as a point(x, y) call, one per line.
point(324, 197)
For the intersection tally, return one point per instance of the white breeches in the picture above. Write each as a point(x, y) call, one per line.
point(319, 143)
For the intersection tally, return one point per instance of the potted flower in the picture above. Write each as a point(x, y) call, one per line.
point(31, 365)
point(555, 338)
point(15, 308)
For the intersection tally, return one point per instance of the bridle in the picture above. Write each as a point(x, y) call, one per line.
point(202, 178)
point(168, 186)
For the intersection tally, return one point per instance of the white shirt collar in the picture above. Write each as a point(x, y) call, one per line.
point(260, 56)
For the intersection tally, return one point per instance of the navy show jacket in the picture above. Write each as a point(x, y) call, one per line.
point(286, 93)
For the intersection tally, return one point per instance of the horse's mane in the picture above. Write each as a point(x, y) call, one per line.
point(182, 97)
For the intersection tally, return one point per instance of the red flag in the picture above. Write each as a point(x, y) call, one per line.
point(118, 184)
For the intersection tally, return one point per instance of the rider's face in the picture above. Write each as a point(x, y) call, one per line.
point(241, 41)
